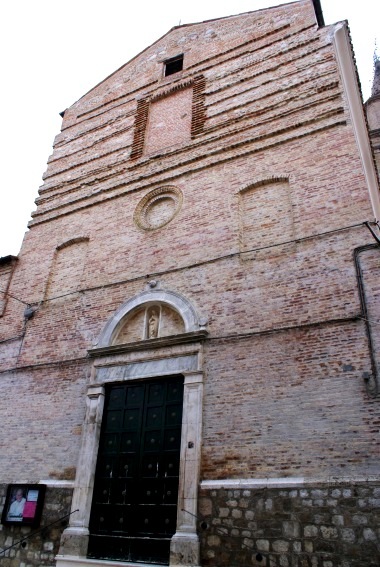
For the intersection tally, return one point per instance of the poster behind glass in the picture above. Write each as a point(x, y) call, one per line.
point(23, 504)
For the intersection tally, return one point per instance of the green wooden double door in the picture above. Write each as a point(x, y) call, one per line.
point(134, 507)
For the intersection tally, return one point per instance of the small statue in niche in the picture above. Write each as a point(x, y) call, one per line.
point(153, 324)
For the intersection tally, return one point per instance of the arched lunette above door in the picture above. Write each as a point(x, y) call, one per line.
point(151, 314)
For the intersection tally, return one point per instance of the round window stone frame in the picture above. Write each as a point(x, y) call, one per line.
point(146, 203)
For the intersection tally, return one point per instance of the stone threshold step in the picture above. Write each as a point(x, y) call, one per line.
point(74, 561)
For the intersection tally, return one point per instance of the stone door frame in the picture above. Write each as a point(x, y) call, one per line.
point(123, 363)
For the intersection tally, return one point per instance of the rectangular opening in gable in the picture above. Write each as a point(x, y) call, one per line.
point(173, 65)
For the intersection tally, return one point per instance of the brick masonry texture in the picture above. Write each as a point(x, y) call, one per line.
point(43, 411)
point(169, 121)
point(268, 244)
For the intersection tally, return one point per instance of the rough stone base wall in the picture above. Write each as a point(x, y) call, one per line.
point(40, 549)
point(335, 525)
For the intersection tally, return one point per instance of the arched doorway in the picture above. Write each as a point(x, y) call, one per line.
point(136, 354)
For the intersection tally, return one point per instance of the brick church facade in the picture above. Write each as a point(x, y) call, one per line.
point(190, 338)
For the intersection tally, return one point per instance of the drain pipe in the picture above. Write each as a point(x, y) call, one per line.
point(371, 382)
point(318, 13)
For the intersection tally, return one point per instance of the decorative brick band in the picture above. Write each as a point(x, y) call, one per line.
point(198, 111)
point(198, 118)
point(171, 89)
point(72, 241)
point(140, 127)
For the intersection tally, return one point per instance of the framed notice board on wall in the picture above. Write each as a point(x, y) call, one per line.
point(23, 504)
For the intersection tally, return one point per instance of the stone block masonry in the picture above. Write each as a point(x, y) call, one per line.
point(40, 549)
point(310, 525)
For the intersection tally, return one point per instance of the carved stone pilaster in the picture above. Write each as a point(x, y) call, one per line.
point(74, 540)
point(184, 547)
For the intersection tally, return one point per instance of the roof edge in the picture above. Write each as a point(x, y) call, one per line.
point(285, 3)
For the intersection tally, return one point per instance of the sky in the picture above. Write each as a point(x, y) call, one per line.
point(54, 51)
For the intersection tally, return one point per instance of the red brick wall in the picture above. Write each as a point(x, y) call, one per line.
point(278, 402)
point(169, 121)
